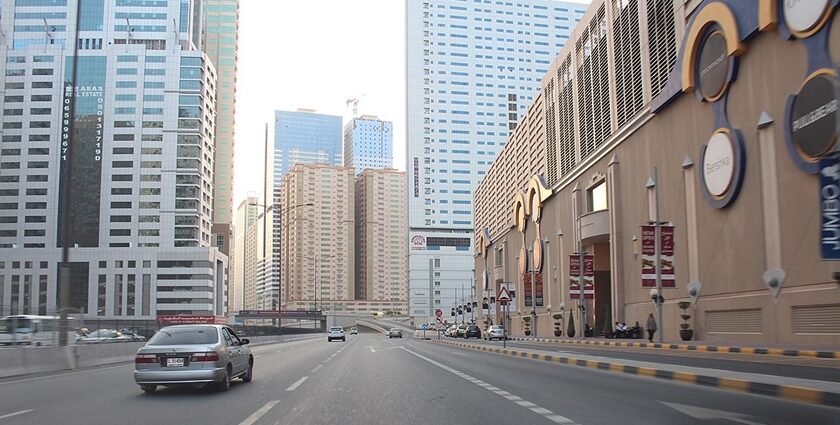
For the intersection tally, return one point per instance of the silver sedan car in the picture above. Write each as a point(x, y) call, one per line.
point(193, 355)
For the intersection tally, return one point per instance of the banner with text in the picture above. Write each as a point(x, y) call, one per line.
point(666, 238)
point(588, 277)
point(529, 292)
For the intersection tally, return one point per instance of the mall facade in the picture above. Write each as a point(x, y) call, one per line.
point(716, 119)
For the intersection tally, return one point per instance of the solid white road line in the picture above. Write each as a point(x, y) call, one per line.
point(38, 378)
point(297, 384)
point(16, 413)
point(250, 420)
point(548, 414)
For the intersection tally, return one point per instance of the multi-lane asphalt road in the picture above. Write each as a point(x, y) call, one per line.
point(371, 379)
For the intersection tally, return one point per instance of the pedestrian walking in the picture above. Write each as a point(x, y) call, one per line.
point(651, 327)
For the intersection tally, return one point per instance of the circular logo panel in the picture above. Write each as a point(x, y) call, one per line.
point(803, 15)
point(718, 164)
point(713, 67)
point(523, 261)
point(538, 257)
point(814, 122)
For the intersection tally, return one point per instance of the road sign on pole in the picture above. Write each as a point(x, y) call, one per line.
point(438, 312)
point(504, 295)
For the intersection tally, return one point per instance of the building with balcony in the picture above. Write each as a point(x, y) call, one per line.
point(381, 239)
point(317, 235)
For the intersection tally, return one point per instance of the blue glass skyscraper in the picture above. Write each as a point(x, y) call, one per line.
point(305, 137)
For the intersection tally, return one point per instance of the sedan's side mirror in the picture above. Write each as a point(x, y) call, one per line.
point(246, 341)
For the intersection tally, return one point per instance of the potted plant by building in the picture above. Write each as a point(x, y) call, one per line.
point(570, 331)
point(527, 321)
point(685, 333)
point(558, 323)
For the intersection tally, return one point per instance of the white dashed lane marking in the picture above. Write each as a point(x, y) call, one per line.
point(297, 384)
point(548, 414)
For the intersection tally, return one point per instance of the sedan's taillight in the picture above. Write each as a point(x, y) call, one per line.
point(205, 357)
point(145, 358)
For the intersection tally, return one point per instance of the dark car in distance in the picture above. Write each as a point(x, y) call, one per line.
point(472, 331)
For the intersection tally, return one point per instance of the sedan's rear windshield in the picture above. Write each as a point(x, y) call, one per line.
point(185, 336)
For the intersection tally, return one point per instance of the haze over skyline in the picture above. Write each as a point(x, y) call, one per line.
point(316, 55)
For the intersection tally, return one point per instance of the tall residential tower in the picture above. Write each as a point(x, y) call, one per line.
point(472, 69)
point(318, 236)
point(220, 41)
point(300, 137)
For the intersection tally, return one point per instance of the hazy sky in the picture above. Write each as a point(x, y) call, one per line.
point(315, 54)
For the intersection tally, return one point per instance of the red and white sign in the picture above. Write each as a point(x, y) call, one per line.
point(588, 277)
point(504, 295)
point(666, 256)
point(418, 243)
point(438, 313)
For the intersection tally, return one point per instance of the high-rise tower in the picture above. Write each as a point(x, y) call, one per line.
point(471, 70)
point(107, 150)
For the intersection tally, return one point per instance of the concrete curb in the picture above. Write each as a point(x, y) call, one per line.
point(787, 392)
point(691, 347)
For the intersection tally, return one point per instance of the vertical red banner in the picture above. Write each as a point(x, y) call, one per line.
point(666, 254)
point(574, 275)
point(539, 299)
point(529, 290)
point(666, 234)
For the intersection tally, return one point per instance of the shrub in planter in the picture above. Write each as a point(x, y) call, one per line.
point(558, 323)
point(685, 333)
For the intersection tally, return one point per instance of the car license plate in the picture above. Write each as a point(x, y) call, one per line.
point(175, 362)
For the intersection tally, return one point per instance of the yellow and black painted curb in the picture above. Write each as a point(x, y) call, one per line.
point(787, 392)
point(691, 347)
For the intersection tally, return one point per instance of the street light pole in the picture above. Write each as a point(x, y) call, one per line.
point(658, 244)
point(533, 290)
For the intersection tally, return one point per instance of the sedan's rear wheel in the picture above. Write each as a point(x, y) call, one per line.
point(224, 385)
point(249, 374)
point(148, 389)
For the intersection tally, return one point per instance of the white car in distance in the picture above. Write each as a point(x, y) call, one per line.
point(336, 332)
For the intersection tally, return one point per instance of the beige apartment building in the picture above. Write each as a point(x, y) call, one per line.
point(381, 239)
point(317, 211)
point(710, 117)
point(244, 252)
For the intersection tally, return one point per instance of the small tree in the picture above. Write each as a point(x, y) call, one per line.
point(571, 329)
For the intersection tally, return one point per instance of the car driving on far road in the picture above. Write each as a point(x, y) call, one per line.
point(193, 355)
point(394, 333)
point(336, 332)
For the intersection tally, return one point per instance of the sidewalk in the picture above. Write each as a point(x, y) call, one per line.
point(790, 388)
point(764, 349)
